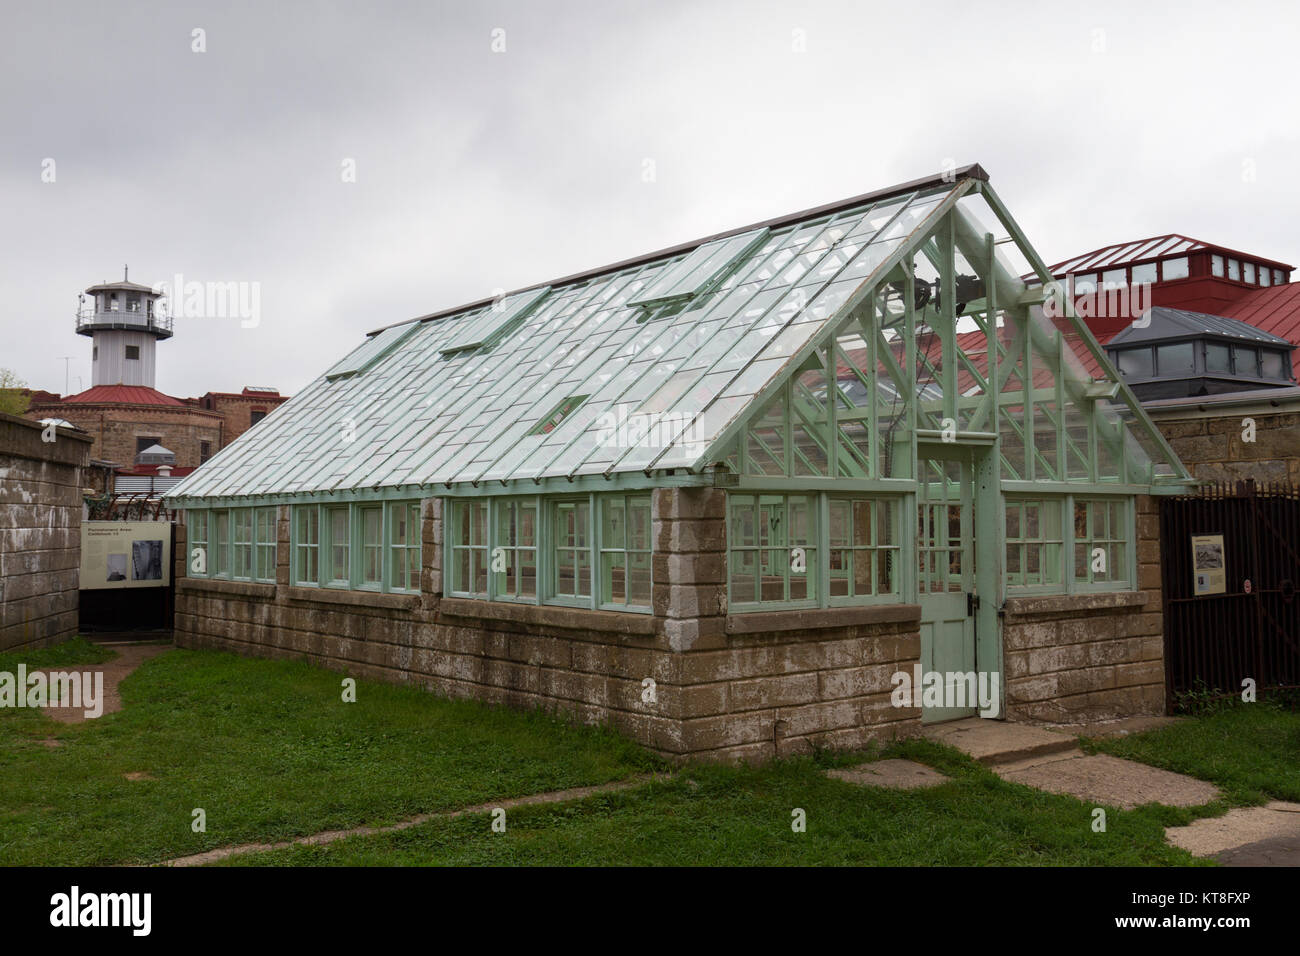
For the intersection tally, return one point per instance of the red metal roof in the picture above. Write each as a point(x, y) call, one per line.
point(121, 395)
point(1156, 247)
point(1275, 310)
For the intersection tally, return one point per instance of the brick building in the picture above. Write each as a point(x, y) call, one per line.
point(1214, 354)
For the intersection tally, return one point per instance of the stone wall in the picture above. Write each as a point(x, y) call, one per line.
point(1090, 656)
point(739, 687)
point(40, 532)
point(1210, 440)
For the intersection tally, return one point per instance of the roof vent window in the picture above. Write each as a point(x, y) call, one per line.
point(558, 414)
point(371, 351)
point(700, 270)
point(492, 323)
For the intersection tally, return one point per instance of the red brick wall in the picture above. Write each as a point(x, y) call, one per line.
point(115, 428)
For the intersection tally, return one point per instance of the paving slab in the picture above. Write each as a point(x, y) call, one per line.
point(1276, 824)
point(999, 741)
point(1107, 780)
point(1121, 727)
point(894, 773)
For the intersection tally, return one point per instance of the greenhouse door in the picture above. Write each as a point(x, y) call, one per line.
point(946, 582)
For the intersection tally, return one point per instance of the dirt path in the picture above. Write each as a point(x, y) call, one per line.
point(329, 836)
point(129, 657)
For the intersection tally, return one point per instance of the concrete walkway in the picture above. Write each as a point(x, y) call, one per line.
point(1049, 759)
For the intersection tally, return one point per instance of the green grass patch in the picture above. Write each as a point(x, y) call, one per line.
point(270, 751)
point(68, 654)
point(712, 815)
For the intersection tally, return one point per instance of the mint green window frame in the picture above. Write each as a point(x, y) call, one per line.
point(380, 547)
point(336, 546)
point(220, 545)
point(571, 551)
point(864, 560)
point(514, 558)
point(305, 528)
point(1035, 544)
point(197, 539)
point(568, 549)
point(264, 544)
point(468, 547)
point(765, 534)
point(1106, 523)
point(369, 537)
point(241, 544)
point(403, 542)
point(625, 552)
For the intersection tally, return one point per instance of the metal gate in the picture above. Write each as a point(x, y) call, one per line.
point(1251, 629)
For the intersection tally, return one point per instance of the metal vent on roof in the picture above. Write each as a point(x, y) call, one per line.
point(701, 269)
point(488, 326)
point(371, 351)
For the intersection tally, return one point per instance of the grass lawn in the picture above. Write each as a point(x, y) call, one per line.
point(269, 750)
point(742, 816)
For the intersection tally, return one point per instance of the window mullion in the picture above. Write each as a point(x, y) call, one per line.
point(821, 534)
point(593, 550)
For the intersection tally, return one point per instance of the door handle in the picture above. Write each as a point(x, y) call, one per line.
point(972, 603)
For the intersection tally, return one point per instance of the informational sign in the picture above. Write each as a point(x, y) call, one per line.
point(125, 554)
point(1207, 564)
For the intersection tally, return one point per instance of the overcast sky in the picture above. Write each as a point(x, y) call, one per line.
point(602, 130)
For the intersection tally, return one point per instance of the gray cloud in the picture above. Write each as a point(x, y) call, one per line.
point(479, 170)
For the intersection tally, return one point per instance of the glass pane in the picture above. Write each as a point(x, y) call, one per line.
point(1218, 358)
point(1135, 362)
point(1216, 266)
point(1271, 364)
point(1245, 361)
point(1174, 268)
point(614, 528)
point(1146, 272)
point(1176, 359)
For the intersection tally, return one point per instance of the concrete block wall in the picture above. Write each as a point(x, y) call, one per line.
point(40, 532)
point(1082, 657)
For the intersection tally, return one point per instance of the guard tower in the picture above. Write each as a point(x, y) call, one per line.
point(125, 322)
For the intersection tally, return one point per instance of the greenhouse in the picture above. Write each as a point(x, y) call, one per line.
point(763, 470)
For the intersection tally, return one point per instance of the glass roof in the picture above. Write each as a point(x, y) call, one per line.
point(459, 397)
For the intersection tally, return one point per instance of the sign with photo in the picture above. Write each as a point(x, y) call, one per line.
point(125, 554)
point(1207, 564)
